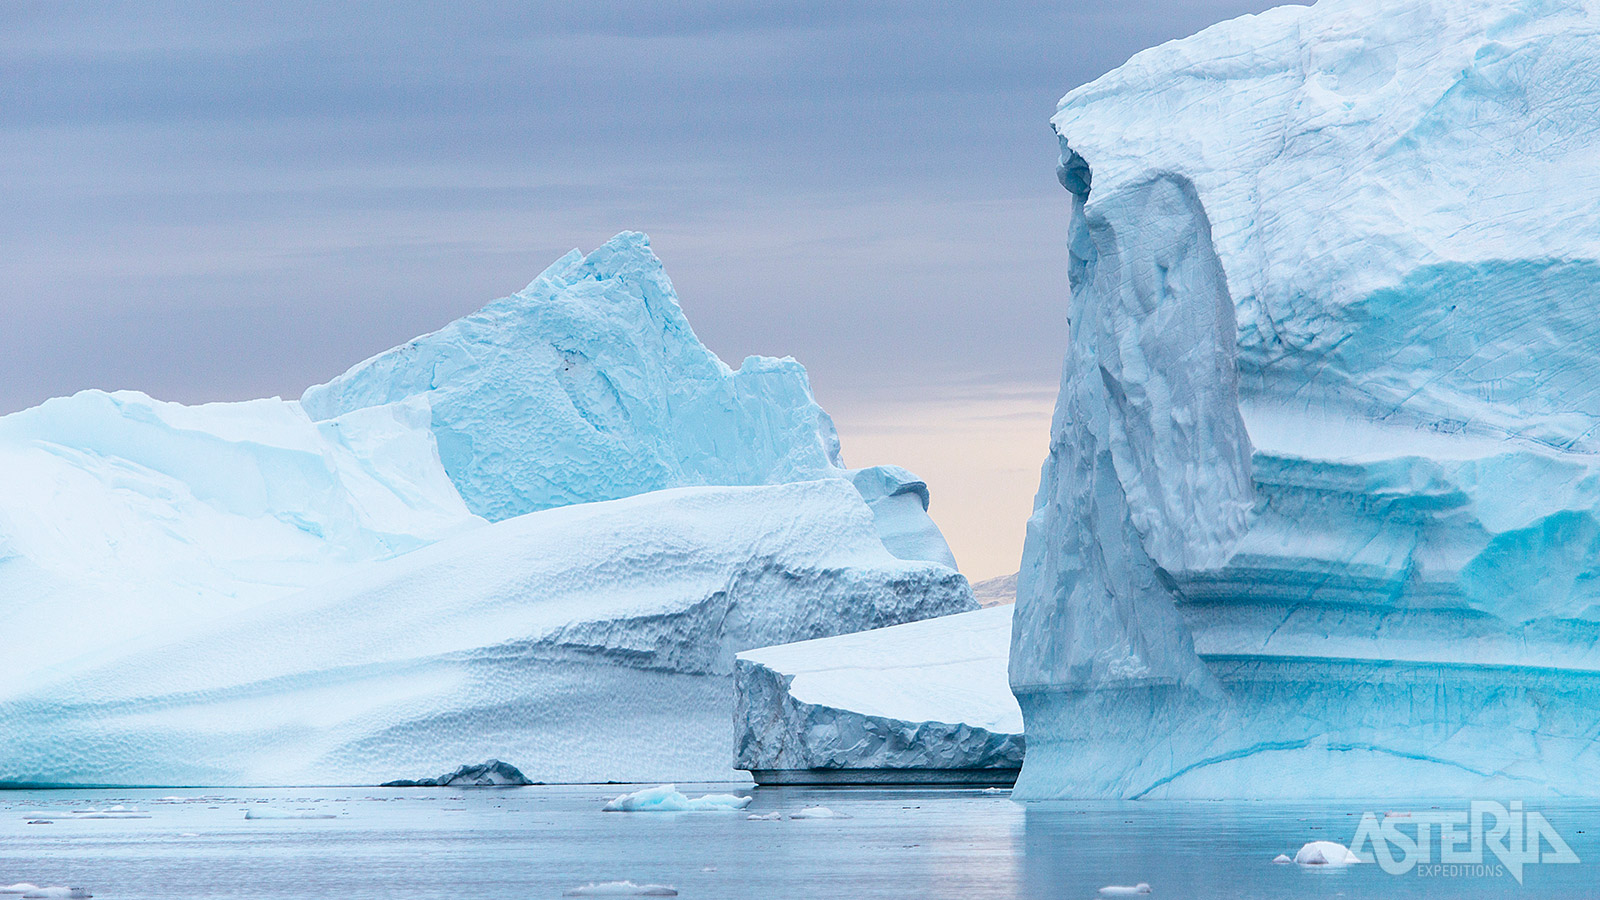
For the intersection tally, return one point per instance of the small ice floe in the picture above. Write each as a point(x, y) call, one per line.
point(57, 893)
point(21, 887)
point(666, 798)
point(1282, 859)
point(765, 817)
point(817, 812)
point(621, 889)
point(268, 812)
point(1325, 853)
point(1123, 890)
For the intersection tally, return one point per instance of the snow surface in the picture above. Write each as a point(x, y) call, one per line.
point(928, 694)
point(388, 576)
point(589, 643)
point(1329, 421)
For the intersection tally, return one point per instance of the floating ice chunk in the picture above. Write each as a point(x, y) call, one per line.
point(1282, 859)
point(1122, 890)
point(765, 817)
point(270, 813)
point(667, 798)
point(21, 887)
point(817, 812)
point(111, 812)
point(1325, 853)
point(621, 889)
point(65, 893)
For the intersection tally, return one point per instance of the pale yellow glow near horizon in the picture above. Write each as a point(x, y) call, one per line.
point(979, 450)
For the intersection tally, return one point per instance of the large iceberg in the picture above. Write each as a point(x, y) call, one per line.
point(925, 701)
point(540, 534)
point(592, 642)
point(589, 384)
point(1321, 515)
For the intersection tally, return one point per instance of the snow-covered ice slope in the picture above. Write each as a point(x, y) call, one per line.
point(924, 695)
point(1322, 509)
point(589, 384)
point(121, 515)
point(591, 642)
point(135, 536)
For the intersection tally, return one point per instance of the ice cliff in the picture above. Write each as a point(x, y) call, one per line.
point(922, 702)
point(1321, 515)
point(270, 591)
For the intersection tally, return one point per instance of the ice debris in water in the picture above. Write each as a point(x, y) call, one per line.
point(1325, 853)
point(1122, 890)
point(817, 812)
point(64, 893)
point(765, 817)
point(270, 813)
point(621, 889)
point(1282, 859)
point(667, 798)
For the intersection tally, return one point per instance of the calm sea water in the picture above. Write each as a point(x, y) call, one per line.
point(541, 841)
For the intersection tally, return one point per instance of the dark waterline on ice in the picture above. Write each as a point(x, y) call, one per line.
point(540, 841)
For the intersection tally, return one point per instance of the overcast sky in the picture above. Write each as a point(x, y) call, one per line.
point(207, 203)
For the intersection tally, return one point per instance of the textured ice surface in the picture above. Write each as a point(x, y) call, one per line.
point(278, 592)
point(1322, 511)
point(1325, 853)
point(925, 695)
point(667, 798)
point(589, 384)
point(124, 515)
point(592, 642)
point(493, 773)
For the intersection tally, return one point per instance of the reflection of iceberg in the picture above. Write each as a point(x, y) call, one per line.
point(1322, 510)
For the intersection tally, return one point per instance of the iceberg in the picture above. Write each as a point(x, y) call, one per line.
point(590, 385)
point(667, 798)
point(1325, 853)
point(590, 643)
point(1321, 514)
point(493, 773)
point(621, 889)
point(543, 532)
point(926, 701)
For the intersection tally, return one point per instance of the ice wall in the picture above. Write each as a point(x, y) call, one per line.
point(926, 701)
point(1322, 490)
